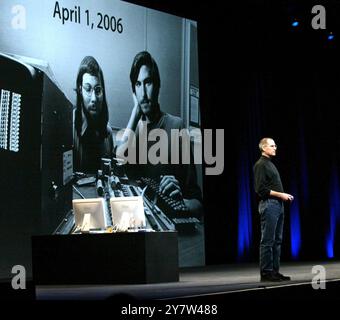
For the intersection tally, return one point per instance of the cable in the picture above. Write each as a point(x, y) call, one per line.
point(76, 190)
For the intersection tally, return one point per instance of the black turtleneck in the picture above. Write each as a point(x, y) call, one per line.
point(266, 178)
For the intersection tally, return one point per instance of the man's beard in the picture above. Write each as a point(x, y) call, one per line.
point(91, 117)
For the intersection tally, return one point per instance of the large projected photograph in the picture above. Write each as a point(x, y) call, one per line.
point(98, 100)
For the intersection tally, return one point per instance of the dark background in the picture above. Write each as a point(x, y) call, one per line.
point(259, 76)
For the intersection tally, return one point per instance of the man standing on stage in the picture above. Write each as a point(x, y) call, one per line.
point(269, 188)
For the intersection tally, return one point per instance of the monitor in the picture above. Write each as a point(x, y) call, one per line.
point(90, 214)
point(127, 213)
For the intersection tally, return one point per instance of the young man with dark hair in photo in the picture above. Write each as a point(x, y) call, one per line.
point(92, 134)
point(178, 181)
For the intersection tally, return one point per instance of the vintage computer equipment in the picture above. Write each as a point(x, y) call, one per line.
point(162, 212)
point(174, 208)
point(35, 158)
point(172, 211)
point(90, 214)
point(127, 213)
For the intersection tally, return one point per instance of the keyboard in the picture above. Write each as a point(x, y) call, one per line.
point(173, 208)
point(162, 212)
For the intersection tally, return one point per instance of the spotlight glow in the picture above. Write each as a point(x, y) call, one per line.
point(244, 212)
point(330, 36)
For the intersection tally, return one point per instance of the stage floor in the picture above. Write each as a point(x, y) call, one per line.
point(199, 282)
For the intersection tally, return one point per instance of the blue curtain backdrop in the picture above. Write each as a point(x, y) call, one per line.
point(267, 87)
point(334, 212)
point(297, 112)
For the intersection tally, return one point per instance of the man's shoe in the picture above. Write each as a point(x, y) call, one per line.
point(270, 277)
point(282, 277)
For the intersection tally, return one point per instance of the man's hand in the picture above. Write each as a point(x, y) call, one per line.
point(169, 185)
point(281, 195)
point(287, 197)
point(137, 110)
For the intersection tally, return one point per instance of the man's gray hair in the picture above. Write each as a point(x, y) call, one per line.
point(262, 143)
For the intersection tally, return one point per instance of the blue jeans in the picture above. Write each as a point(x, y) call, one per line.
point(272, 216)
